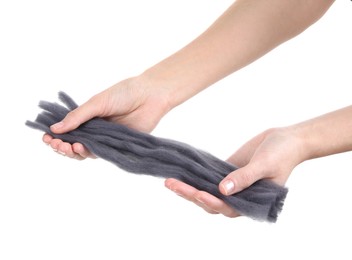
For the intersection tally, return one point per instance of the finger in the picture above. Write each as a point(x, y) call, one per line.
point(187, 192)
point(244, 154)
point(215, 204)
point(82, 151)
point(76, 151)
point(47, 139)
point(77, 116)
point(67, 150)
point(182, 189)
point(208, 202)
point(208, 210)
point(54, 144)
point(240, 179)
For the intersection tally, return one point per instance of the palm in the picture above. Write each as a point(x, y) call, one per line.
point(126, 103)
point(272, 155)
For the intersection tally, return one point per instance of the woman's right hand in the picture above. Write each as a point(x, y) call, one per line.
point(132, 102)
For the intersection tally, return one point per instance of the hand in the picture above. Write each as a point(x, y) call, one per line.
point(132, 102)
point(272, 155)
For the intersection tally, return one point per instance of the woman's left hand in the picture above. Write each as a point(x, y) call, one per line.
point(272, 155)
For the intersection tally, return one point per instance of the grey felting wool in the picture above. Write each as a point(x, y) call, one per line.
point(142, 153)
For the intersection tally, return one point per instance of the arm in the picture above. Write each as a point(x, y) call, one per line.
point(274, 154)
point(326, 135)
point(245, 32)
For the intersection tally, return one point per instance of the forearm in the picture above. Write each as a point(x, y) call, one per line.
point(245, 32)
point(325, 135)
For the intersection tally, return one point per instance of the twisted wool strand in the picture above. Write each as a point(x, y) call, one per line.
point(142, 153)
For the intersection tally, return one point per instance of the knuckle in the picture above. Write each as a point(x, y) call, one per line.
point(72, 117)
point(247, 178)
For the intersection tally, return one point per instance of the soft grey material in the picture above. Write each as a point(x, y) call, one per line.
point(142, 153)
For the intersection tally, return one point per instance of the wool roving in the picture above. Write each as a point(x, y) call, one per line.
point(142, 153)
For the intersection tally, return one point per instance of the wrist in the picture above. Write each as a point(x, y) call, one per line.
point(327, 134)
point(167, 86)
point(155, 92)
point(303, 141)
point(296, 143)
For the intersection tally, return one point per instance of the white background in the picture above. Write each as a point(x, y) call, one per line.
point(52, 207)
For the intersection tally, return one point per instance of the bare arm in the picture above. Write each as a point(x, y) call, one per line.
point(244, 33)
point(325, 135)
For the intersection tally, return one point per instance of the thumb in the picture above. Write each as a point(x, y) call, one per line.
point(75, 118)
point(239, 180)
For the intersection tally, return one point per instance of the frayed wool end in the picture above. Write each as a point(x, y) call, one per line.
point(142, 153)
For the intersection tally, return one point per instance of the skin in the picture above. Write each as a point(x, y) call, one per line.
point(242, 34)
point(273, 155)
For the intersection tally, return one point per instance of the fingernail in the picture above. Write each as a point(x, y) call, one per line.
point(62, 153)
point(228, 186)
point(57, 125)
